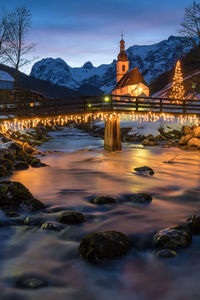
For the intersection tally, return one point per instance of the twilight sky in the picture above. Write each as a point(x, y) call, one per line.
point(89, 30)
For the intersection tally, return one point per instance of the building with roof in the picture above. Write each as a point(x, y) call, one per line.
point(130, 83)
point(11, 96)
point(6, 81)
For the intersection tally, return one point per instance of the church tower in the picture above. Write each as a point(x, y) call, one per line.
point(122, 63)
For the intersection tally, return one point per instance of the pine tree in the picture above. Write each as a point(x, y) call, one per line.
point(177, 91)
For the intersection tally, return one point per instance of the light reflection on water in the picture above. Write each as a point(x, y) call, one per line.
point(68, 181)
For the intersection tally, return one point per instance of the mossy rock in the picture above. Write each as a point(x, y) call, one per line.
point(10, 156)
point(30, 282)
point(71, 217)
point(7, 163)
point(15, 196)
point(23, 156)
point(193, 224)
point(50, 226)
point(102, 246)
point(3, 171)
point(139, 198)
point(166, 253)
point(173, 237)
point(21, 165)
point(104, 200)
point(145, 170)
point(12, 214)
point(36, 163)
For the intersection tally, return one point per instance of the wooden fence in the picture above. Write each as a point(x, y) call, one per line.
point(110, 103)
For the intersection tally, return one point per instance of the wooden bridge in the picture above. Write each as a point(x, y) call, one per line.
point(111, 105)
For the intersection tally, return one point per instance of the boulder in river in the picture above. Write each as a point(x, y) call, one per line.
point(21, 165)
point(71, 217)
point(7, 163)
point(30, 282)
point(166, 253)
point(12, 214)
point(145, 170)
point(107, 245)
point(3, 171)
point(173, 237)
point(138, 198)
point(193, 224)
point(14, 195)
point(184, 139)
point(187, 130)
point(50, 226)
point(104, 200)
point(36, 163)
point(196, 132)
point(194, 142)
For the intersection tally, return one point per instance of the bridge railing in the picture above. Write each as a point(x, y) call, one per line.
point(109, 103)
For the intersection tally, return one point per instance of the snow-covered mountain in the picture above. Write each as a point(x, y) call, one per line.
point(152, 60)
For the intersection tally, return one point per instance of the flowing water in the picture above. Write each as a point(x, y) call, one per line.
point(79, 170)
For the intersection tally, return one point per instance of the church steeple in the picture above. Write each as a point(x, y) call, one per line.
point(122, 63)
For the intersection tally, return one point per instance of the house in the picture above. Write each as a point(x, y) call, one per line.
point(6, 81)
point(129, 82)
point(11, 97)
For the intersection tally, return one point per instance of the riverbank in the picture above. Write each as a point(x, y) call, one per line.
point(166, 134)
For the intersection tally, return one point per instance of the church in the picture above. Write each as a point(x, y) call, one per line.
point(130, 83)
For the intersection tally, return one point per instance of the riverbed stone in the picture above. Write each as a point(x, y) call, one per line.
point(166, 253)
point(107, 245)
point(147, 142)
point(12, 214)
point(7, 163)
point(14, 195)
point(30, 282)
point(23, 156)
point(196, 132)
point(139, 198)
point(187, 130)
point(104, 200)
point(21, 165)
point(36, 163)
point(50, 226)
point(3, 171)
point(28, 149)
point(145, 170)
point(184, 139)
point(71, 217)
point(194, 142)
point(173, 237)
point(194, 224)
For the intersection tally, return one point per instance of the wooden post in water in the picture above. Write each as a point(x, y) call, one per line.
point(112, 135)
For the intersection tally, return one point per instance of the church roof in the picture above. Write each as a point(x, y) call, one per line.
point(130, 78)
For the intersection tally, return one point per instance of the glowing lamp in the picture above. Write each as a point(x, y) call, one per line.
point(89, 105)
point(140, 89)
point(106, 99)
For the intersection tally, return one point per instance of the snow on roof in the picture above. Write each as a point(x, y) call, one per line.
point(4, 76)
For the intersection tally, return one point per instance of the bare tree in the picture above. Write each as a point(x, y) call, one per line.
point(16, 46)
point(4, 28)
point(190, 26)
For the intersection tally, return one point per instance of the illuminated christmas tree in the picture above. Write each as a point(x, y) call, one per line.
point(177, 91)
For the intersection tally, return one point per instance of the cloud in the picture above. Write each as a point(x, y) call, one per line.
point(84, 30)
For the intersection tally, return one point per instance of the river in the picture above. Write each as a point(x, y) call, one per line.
point(78, 170)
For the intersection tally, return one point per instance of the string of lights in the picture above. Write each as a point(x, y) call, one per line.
point(177, 91)
point(20, 125)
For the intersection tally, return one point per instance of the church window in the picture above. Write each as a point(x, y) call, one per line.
point(123, 68)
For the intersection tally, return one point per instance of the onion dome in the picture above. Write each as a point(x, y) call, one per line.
point(122, 55)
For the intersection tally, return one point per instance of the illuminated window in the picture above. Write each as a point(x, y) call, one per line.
point(31, 104)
